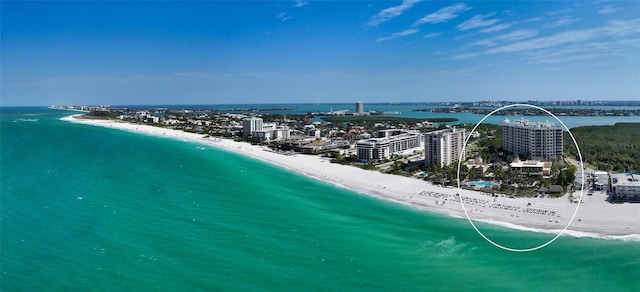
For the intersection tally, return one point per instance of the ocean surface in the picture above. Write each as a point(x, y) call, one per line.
point(88, 208)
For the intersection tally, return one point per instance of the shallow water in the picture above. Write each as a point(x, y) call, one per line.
point(91, 208)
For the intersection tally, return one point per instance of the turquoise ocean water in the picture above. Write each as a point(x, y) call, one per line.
point(87, 208)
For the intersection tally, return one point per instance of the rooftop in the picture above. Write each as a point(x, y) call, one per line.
point(625, 179)
point(522, 123)
point(530, 163)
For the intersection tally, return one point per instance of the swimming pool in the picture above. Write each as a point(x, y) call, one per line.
point(481, 184)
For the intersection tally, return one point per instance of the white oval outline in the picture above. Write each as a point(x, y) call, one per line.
point(581, 182)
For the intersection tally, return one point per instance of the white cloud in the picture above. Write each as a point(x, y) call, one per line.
point(609, 9)
point(479, 20)
point(613, 28)
point(431, 35)
point(566, 46)
point(391, 12)
point(561, 11)
point(570, 58)
point(622, 27)
point(443, 14)
point(570, 53)
point(584, 51)
point(486, 42)
point(283, 16)
point(398, 35)
point(301, 3)
point(497, 27)
point(562, 21)
point(511, 36)
point(465, 56)
point(517, 35)
point(503, 26)
point(567, 37)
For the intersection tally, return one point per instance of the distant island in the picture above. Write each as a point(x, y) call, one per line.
point(580, 112)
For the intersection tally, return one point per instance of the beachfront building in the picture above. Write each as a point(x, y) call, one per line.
point(386, 144)
point(271, 132)
point(626, 186)
point(141, 116)
point(444, 147)
point(250, 125)
point(627, 190)
point(539, 140)
point(153, 119)
point(373, 149)
point(531, 167)
point(478, 163)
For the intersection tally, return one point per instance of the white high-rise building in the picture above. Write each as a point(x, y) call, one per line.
point(540, 140)
point(359, 107)
point(264, 132)
point(250, 125)
point(443, 147)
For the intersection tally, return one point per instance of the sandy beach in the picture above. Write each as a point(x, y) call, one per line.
point(595, 216)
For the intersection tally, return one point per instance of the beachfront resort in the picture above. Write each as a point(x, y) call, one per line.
point(520, 172)
point(520, 158)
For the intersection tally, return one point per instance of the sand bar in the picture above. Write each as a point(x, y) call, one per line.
point(595, 217)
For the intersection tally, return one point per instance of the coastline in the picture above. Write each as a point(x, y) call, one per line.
point(595, 218)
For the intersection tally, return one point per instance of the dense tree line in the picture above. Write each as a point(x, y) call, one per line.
point(611, 148)
point(103, 114)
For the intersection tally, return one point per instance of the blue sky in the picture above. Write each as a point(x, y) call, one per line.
point(214, 52)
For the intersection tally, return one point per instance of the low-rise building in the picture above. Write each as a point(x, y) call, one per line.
point(477, 163)
point(153, 119)
point(271, 133)
point(625, 186)
point(531, 167)
point(373, 149)
point(387, 143)
point(264, 132)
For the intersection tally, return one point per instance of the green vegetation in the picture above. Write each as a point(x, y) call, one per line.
point(489, 145)
point(507, 181)
point(369, 166)
point(347, 160)
point(566, 175)
point(290, 118)
point(101, 115)
point(369, 120)
point(611, 148)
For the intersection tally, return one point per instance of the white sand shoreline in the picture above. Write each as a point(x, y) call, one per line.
point(595, 218)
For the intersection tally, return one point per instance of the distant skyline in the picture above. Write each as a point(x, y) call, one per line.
point(230, 52)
